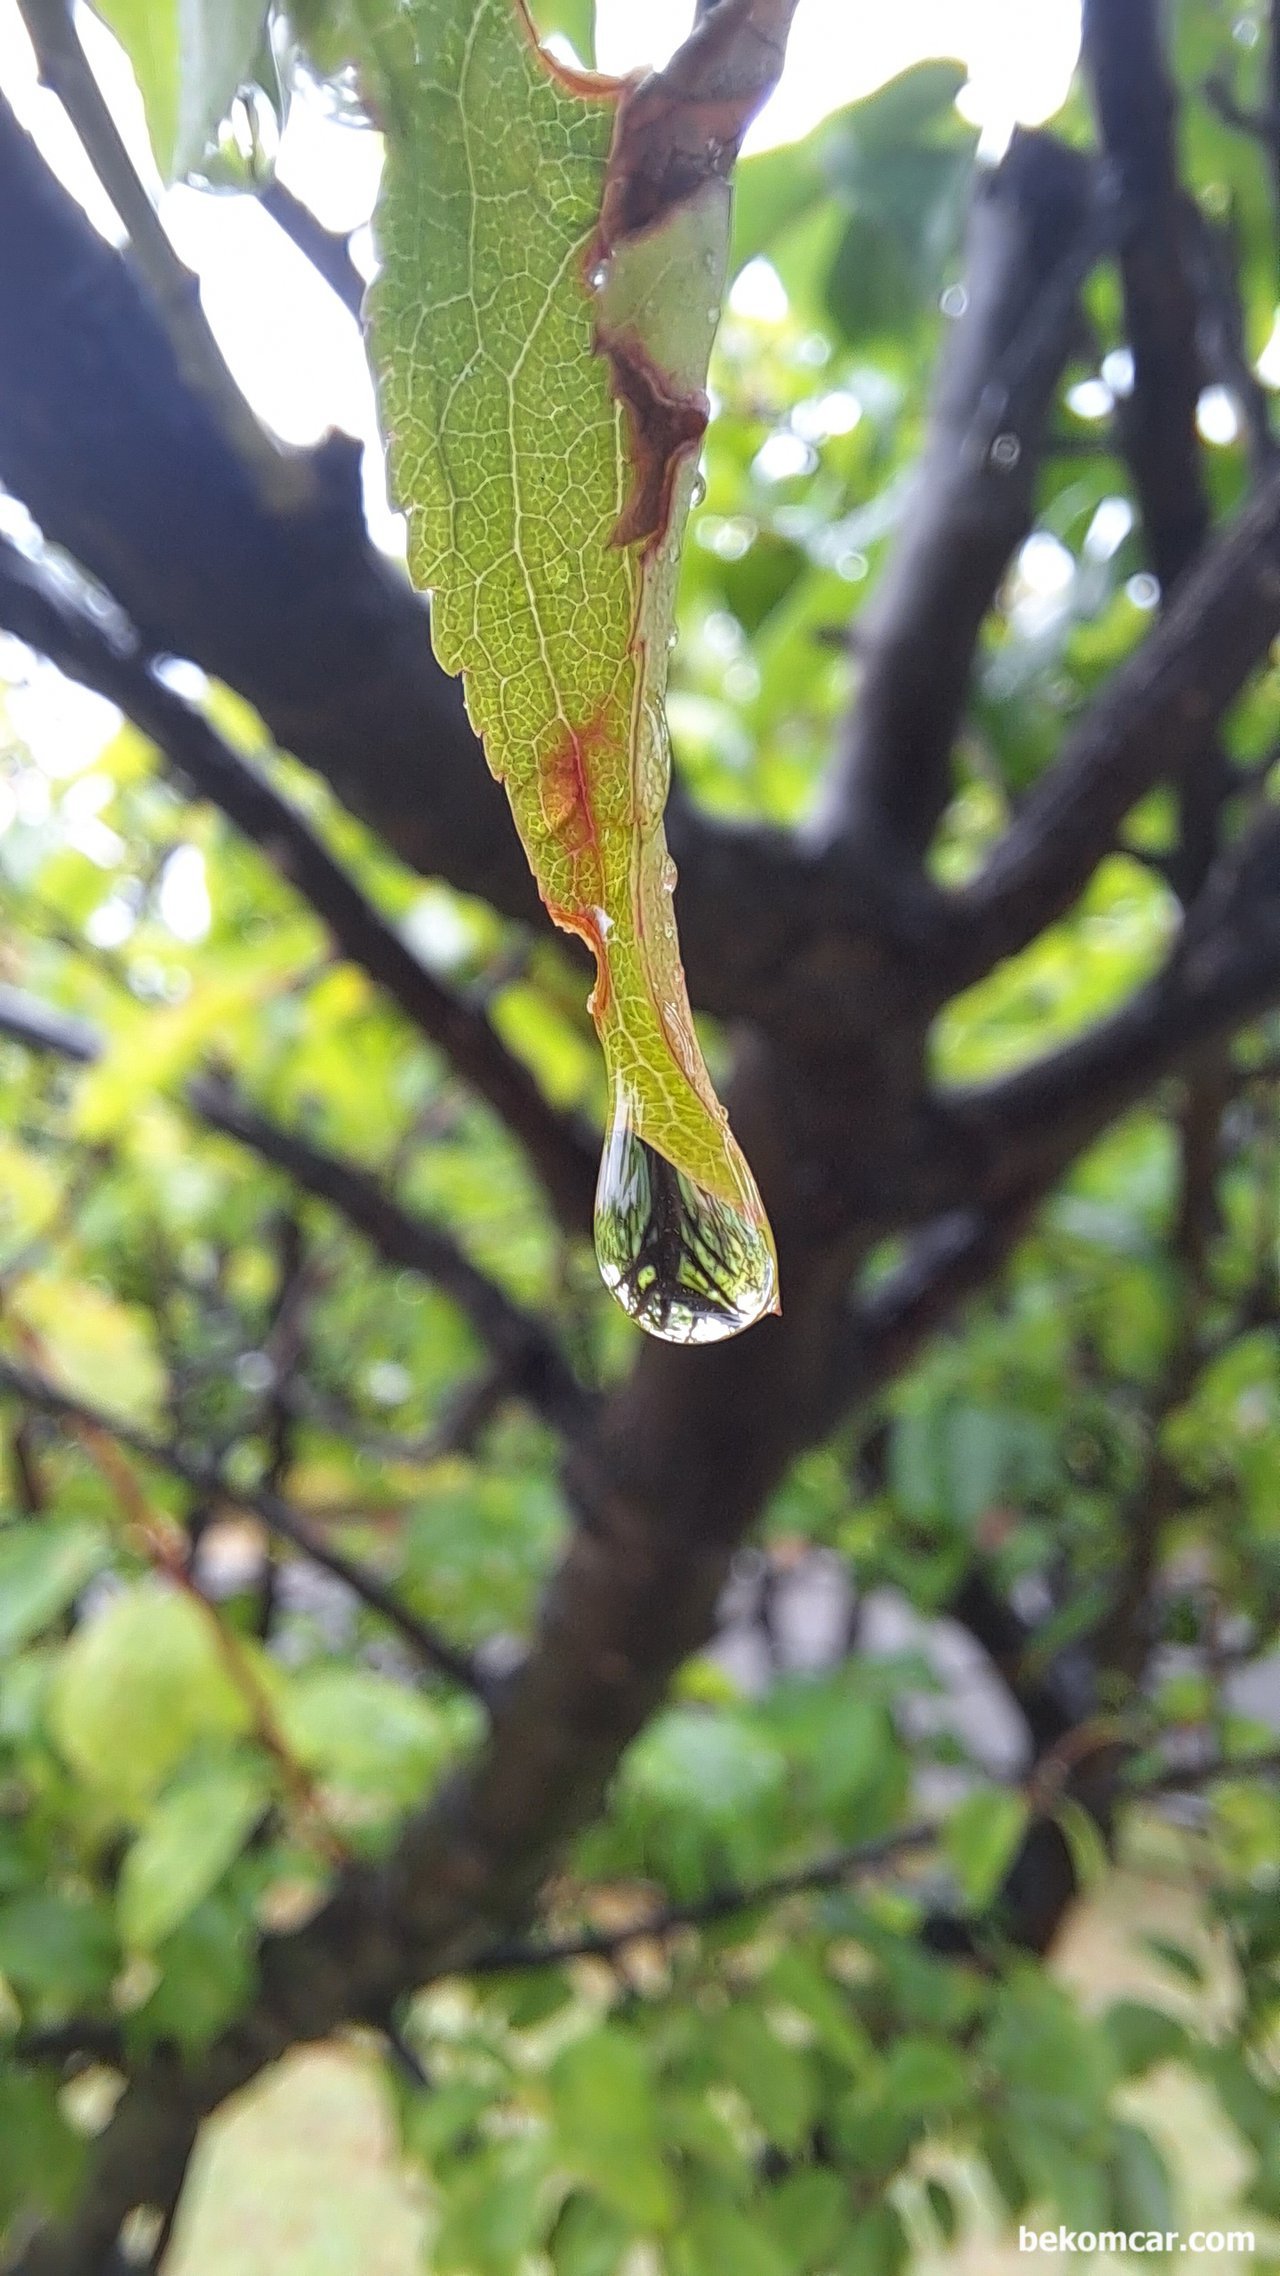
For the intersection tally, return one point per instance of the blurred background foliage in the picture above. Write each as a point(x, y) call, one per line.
point(814, 2086)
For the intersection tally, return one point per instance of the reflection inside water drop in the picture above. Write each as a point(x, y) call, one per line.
point(684, 1265)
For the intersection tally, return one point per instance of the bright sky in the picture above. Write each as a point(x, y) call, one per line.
point(292, 347)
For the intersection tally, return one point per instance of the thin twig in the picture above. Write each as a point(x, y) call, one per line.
point(284, 476)
point(532, 1363)
point(560, 1151)
point(277, 1516)
point(327, 250)
point(1042, 1791)
point(827, 1873)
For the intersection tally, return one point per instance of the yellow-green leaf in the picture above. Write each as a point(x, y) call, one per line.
point(541, 384)
point(137, 1688)
point(185, 1846)
point(189, 57)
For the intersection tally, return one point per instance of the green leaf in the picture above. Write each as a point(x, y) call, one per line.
point(925, 2076)
point(137, 1687)
point(492, 2211)
point(208, 1977)
point(41, 2159)
point(1142, 2191)
point(943, 2207)
point(776, 2081)
point(798, 1979)
point(443, 2119)
point(606, 2125)
point(364, 1730)
point(56, 1947)
point(1143, 2036)
point(189, 57)
point(806, 2214)
point(713, 1762)
point(981, 1837)
point(1177, 1958)
point(43, 1568)
point(575, 20)
point(877, 2246)
point(189, 1839)
point(101, 1349)
point(589, 2239)
point(515, 350)
point(1083, 1835)
point(714, 2237)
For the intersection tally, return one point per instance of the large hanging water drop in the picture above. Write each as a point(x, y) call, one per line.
point(684, 1264)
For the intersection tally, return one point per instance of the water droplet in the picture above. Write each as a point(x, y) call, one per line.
point(686, 1266)
point(1006, 450)
point(699, 490)
point(598, 277)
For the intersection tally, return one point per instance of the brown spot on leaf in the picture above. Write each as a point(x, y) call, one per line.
point(565, 785)
point(665, 426)
point(681, 127)
point(586, 924)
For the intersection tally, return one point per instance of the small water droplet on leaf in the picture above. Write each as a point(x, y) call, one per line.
point(685, 1265)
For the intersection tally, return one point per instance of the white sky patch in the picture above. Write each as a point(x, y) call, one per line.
point(1109, 528)
point(62, 725)
point(291, 346)
point(1019, 58)
point(182, 897)
point(758, 291)
point(1216, 416)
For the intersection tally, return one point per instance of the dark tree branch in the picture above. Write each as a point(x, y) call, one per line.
point(532, 1363)
point(64, 68)
point(31, 606)
point(42, 1027)
point(1148, 726)
point(530, 1360)
point(278, 1517)
point(1211, 257)
point(1036, 227)
point(327, 250)
point(125, 467)
point(831, 1872)
point(1136, 105)
point(1024, 1128)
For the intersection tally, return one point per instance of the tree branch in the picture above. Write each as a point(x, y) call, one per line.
point(1038, 223)
point(278, 1516)
point(532, 1364)
point(1136, 108)
point(1136, 105)
point(1021, 1131)
point(723, 1904)
point(327, 250)
point(64, 68)
point(124, 466)
point(562, 1154)
point(1148, 726)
